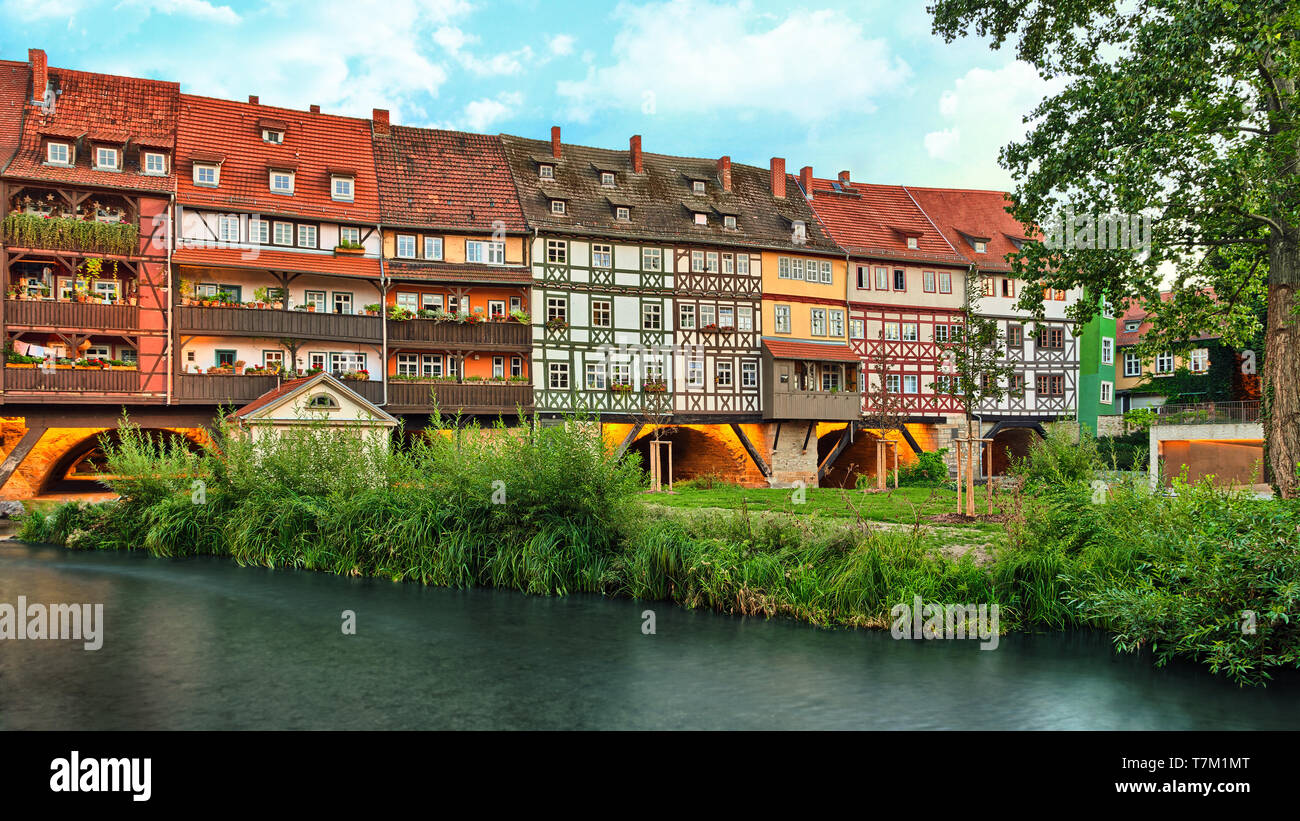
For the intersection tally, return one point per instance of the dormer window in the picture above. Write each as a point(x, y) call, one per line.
point(980, 246)
point(913, 243)
point(106, 159)
point(154, 163)
point(207, 174)
point(799, 232)
point(58, 153)
point(701, 218)
point(623, 213)
point(697, 187)
point(341, 188)
point(282, 182)
point(1131, 326)
point(729, 221)
point(546, 171)
point(558, 207)
point(607, 179)
point(272, 135)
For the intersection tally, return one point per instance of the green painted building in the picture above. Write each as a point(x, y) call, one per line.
point(1097, 358)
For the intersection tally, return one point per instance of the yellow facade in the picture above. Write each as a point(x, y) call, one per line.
point(808, 297)
point(1124, 383)
point(453, 246)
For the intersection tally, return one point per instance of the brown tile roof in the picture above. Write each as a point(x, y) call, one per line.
point(313, 144)
point(13, 95)
point(445, 179)
point(274, 260)
point(458, 272)
point(660, 198)
point(963, 215)
point(107, 105)
point(1136, 311)
point(876, 220)
point(818, 351)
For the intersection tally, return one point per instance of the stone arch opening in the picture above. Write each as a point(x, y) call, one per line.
point(701, 452)
point(1009, 445)
point(80, 467)
point(857, 459)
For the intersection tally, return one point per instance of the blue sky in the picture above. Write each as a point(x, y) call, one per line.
point(862, 86)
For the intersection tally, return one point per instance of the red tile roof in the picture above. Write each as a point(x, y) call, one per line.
point(313, 144)
point(876, 220)
point(963, 215)
point(445, 179)
point(819, 351)
point(458, 272)
point(13, 94)
point(274, 394)
point(144, 111)
point(1137, 311)
point(274, 260)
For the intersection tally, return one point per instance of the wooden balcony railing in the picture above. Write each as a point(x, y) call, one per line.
point(71, 380)
point(222, 389)
point(68, 315)
point(457, 397)
point(506, 334)
point(277, 324)
point(821, 405)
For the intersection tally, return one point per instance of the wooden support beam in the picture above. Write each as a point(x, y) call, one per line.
point(20, 451)
point(776, 440)
point(752, 451)
point(836, 451)
point(811, 424)
point(629, 439)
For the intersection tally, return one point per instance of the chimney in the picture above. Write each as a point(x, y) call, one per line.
point(40, 73)
point(805, 180)
point(315, 109)
point(724, 173)
point(844, 179)
point(635, 146)
point(379, 121)
point(555, 141)
point(252, 99)
point(778, 177)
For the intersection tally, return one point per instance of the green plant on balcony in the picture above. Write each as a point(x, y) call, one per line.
point(357, 376)
point(68, 234)
point(373, 309)
point(399, 314)
point(620, 387)
point(521, 317)
point(518, 379)
point(654, 386)
point(556, 324)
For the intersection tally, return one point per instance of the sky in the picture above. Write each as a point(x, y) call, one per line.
point(858, 86)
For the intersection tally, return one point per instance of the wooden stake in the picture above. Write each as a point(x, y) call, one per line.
point(960, 476)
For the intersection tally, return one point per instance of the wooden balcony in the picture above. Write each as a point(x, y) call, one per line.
point(457, 397)
point(277, 324)
point(70, 381)
point(820, 405)
point(67, 234)
point(507, 335)
point(51, 315)
point(240, 389)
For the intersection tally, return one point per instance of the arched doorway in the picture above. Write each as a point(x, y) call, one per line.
point(1009, 445)
point(858, 458)
point(698, 452)
point(81, 467)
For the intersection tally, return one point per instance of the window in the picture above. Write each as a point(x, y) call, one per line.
point(1131, 325)
point(206, 175)
point(410, 302)
point(798, 232)
point(748, 374)
point(342, 303)
point(726, 316)
point(913, 243)
point(941, 333)
point(864, 277)
point(1016, 384)
point(728, 264)
point(711, 262)
point(558, 207)
point(652, 316)
point(282, 182)
point(61, 154)
point(723, 374)
point(557, 307)
point(406, 246)
point(945, 282)
point(980, 247)
point(697, 187)
point(697, 262)
point(622, 213)
point(708, 315)
point(350, 235)
point(516, 366)
point(652, 259)
point(986, 286)
point(1008, 287)
point(284, 233)
point(496, 308)
point(694, 373)
point(783, 268)
point(607, 179)
point(315, 298)
point(106, 159)
point(882, 279)
point(1165, 363)
point(782, 315)
point(595, 379)
point(498, 367)
point(1107, 351)
point(272, 135)
point(836, 323)
point(1107, 393)
point(317, 360)
point(558, 376)
point(1049, 384)
point(1058, 295)
point(911, 383)
point(516, 303)
point(432, 365)
point(602, 313)
point(686, 317)
point(900, 279)
point(431, 302)
point(273, 359)
point(701, 218)
point(306, 236)
point(891, 330)
point(1200, 360)
point(490, 253)
point(259, 231)
point(155, 163)
point(228, 227)
point(927, 281)
point(742, 264)
point(341, 189)
point(796, 269)
point(857, 329)
point(1015, 336)
point(408, 364)
point(909, 332)
point(546, 172)
point(1132, 364)
point(557, 251)
point(818, 321)
point(955, 331)
point(1052, 339)
point(745, 318)
point(223, 357)
point(432, 248)
point(602, 256)
point(893, 383)
point(728, 221)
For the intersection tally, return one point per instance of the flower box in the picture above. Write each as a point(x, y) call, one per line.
point(342, 251)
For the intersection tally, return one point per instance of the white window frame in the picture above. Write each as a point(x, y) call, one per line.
point(288, 176)
point(200, 168)
point(149, 157)
point(282, 234)
point(114, 154)
point(304, 231)
point(402, 246)
point(1107, 396)
point(348, 186)
point(1107, 351)
point(781, 317)
point(433, 248)
point(1132, 364)
point(66, 152)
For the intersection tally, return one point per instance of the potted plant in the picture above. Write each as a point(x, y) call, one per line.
point(239, 366)
point(620, 387)
point(373, 309)
point(654, 386)
point(520, 316)
point(260, 297)
point(349, 248)
point(399, 314)
point(556, 324)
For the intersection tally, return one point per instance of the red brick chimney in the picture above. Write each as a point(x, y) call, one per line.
point(315, 109)
point(844, 178)
point(379, 121)
point(724, 173)
point(252, 99)
point(40, 73)
point(634, 145)
point(778, 177)
point(555, 141)
point(805, 180)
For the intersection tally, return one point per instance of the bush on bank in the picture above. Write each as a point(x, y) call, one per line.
point(549, 510)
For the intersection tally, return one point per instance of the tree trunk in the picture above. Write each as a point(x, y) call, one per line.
point(1282, 365)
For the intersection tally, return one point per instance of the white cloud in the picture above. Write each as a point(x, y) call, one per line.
point(698, 56)
point(482, 115)
point(984, 111)
point(453, 40)
point(197, 9)
point(561, 45)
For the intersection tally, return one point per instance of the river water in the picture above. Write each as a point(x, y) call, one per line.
point(204, 644)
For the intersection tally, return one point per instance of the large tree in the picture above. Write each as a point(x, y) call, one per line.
point(1183, 110)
